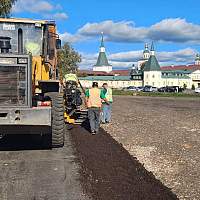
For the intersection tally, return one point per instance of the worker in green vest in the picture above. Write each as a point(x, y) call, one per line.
point(107, 107)
point(94, 97)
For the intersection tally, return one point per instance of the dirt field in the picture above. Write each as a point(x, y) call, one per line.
point(164, 135)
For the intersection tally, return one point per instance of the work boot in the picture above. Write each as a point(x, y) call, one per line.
point(93, 132)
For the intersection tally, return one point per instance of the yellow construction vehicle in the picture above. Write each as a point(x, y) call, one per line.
point(74, 98)
point(31, 99)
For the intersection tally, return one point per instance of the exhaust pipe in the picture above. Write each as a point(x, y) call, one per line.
point(5, 45)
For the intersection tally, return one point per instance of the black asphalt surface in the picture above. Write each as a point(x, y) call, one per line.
point(109, 172)
point(29, 172)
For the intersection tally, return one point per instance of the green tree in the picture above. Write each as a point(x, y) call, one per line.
point(68, 59)
point(5, 7)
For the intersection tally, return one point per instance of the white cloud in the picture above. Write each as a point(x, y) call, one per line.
point(182, 56)
point(127, 59)
point(34, 6)
point(175, 30)
point(67, 37)
point(61, 16)
point(121, 65)
point(115, 31)
point(168, 30)
point(130, 56)
point(88, 60)
point(42, 7)
point(57, 16)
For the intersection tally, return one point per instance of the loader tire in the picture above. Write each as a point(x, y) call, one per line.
point(57, 116)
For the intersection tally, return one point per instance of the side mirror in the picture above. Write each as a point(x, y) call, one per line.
point(58, 44)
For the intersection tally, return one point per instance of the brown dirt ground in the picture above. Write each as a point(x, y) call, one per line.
point(109, 172)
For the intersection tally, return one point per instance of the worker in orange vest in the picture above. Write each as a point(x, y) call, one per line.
point(94, 97)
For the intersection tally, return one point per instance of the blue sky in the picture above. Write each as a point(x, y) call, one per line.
point(174, 26)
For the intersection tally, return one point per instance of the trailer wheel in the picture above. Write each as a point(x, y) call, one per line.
point(58, 124)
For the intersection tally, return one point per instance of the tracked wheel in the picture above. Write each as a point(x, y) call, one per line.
point(58, 124)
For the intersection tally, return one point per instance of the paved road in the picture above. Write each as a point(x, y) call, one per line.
point(27, 173)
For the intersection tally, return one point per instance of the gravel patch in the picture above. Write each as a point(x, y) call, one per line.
point(164, 135)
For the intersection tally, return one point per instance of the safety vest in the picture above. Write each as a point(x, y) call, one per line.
point(94, 99)
point(108, 95)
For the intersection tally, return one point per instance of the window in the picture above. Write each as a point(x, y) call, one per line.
point(20, 41)
point(153, 76)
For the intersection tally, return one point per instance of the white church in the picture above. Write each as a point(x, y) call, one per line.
point(147, 72)
point(102, 61)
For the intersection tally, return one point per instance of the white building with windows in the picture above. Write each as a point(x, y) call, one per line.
point(148, 72)
point(154, 75)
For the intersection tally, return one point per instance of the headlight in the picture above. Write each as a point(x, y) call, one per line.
point(22, 60)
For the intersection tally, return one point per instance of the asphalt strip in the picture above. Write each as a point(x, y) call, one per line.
point(109, 172)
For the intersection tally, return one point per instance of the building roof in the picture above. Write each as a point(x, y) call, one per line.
point(185, 69)
point(106, 78)
point(177, 71)
point(102, 40)
point(26, 21)
point(102, 73)
point(197, 58)
point(121, 72)
point(146, 49)
point(152, 47)
point(178, 74)
point(181, 67)
point(102, 60)
point(175, 76)
point(152, 64)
